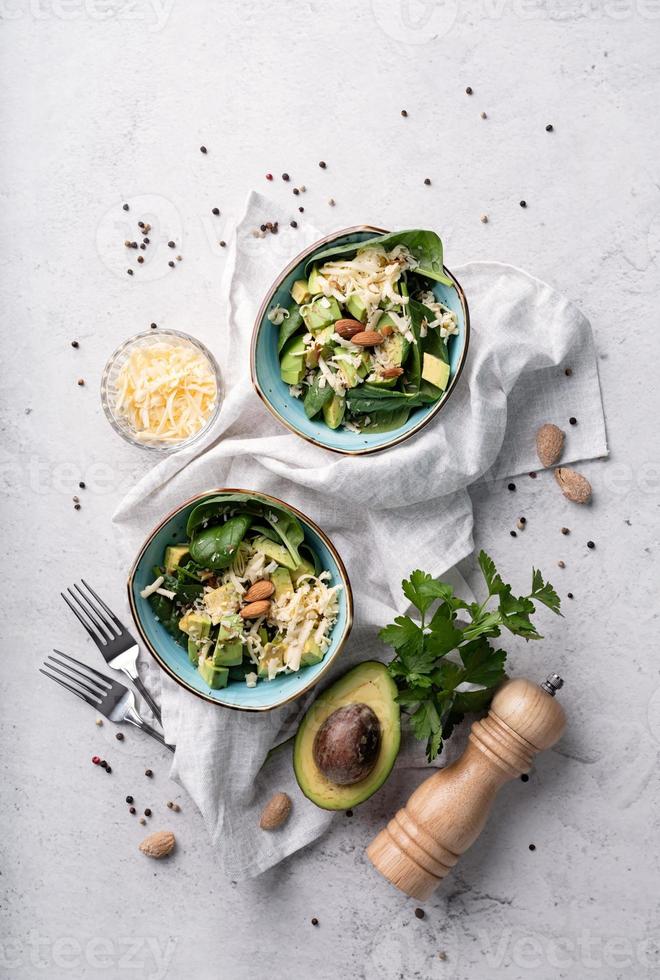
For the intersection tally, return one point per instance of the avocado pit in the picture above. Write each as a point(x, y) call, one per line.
point(347, 745)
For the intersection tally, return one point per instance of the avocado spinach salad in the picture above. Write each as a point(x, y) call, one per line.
point(244, 594)
point(364, 341)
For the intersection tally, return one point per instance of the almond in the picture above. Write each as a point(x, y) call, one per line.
point(573, 485)
point(259, 590)
point(255, 609)
point(276, 812)
point(549, 444)
point(158, 845)
point(394, 372)
point(348, 328)
point(368, 338)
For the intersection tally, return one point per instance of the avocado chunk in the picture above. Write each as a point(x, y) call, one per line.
point(321, 313)
point(396, 346)
point(227, 653)
point(300, 292)
point(356, 307)
point(275, 551)
point(292, 361)
point(215, 677)
point(435, 371)
point(281, 579)
point(340, 749)
point(314, 283)
point(350, 373)
point(305, 568)
point(311, 654)
point(174, 555)
point(198, 628)
point(333, 411)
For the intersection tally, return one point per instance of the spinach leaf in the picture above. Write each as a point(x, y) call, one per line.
point(185, 591)
point(290, 532)
point(370, 400)
point(165, 611)
point(289, 325)
point(215, 546)
point(388, 421)
point(434, 344)
point(316, 397)
point(425, 246)
point(311, 556)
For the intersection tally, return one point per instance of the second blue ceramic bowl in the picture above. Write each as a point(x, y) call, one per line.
point(173, 658)
point(265, 365)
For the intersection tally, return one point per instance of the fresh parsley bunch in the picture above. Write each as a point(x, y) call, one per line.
point(432, 683)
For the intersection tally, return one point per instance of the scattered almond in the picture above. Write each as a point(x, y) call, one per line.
point(549, 444)
point(158, 845)
point(347, 329)
point(255, 609)
point(259, 590)
point(573, 485)
point(367, 338)
point(394, 372)
point(276, 812)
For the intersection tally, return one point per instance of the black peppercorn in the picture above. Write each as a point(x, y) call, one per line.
point(108, 769)
point(76, 506)
point(322, 164)
point(131, 809)
point(568, 372)
point(523, 204)
point(140, 224)
point(404, 113)
point(565, 530)
point(140, 259)
point(81, 382)
point(171, 265)
point(148, 772)
point(125, 207)
point(468, 90)
point(301, 210)
point(549, 128)
point(511, 486)
point(203, 149)
point(129, 799)
point(532, 476)
point(523, 520)
point(153, 326)
point(532, 847)
point(215, 211)
point(570, 595)
point(513, 534)
point(524, 778)
point(147, 812)
point(222, 244)
point(82, 484)
point(285, 177)
point(145, 241)
point(590, 544)
point(419, 913)
point(119, 736)
point(130, 272)
point(294, 224)
point(315, 921)
point(171, 244)
point(349, 813)
point(296, 191)
point(427, 181)
point(74, 343)
point(572, 420)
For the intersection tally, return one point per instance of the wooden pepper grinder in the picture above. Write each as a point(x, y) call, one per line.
point(444, 815)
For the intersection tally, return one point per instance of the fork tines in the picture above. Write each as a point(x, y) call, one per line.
point(97, 618)
point(93, 689)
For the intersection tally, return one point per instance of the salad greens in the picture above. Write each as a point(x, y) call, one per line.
point(445, 667)
point(365, 340)
point(237, 545)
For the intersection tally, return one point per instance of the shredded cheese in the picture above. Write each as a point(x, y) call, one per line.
point(165, 392)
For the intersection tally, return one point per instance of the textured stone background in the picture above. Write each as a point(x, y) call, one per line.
point(109, 102)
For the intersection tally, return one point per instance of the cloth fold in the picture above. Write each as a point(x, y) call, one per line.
point(389, 513)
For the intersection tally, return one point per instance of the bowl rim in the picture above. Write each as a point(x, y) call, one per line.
point(122, 431)
point(306, 520)
point(395, 440)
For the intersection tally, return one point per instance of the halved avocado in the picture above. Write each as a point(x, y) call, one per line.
point(369, 684)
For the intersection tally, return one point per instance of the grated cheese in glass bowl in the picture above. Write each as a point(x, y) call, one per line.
point(161, 390)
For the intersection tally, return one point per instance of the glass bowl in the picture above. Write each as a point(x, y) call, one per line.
point(109, 392)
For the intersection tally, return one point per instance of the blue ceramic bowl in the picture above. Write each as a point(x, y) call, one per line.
point(173, 658)
point(265, 366)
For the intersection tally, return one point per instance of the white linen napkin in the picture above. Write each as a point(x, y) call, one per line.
point(387, 514)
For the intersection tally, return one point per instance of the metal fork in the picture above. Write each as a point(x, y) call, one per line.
point(112, 699)
point(117, 645)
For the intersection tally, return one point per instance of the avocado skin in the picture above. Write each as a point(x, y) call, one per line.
point(369, 683)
